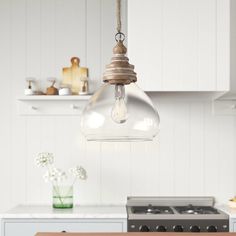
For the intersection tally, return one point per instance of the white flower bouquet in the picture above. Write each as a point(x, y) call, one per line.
point(62, 195)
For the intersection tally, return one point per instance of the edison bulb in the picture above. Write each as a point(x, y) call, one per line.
point(119, 113)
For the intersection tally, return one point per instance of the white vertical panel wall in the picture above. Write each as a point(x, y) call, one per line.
point(193, 155)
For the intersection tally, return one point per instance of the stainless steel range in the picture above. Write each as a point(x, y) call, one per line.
point(175, 214)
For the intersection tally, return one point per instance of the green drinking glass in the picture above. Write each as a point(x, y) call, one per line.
point(62, 197)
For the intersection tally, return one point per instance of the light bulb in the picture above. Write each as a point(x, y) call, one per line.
point(119, 113)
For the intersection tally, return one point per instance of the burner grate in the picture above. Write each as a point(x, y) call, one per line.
point(196, 210)
point(150, 209)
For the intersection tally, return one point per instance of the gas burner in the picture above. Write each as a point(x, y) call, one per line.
point(196, 210)
point(175, 214)
point(150, 209)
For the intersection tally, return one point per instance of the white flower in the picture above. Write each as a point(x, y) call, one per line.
point(44, 159)
point(55, 175)
point(79, 172)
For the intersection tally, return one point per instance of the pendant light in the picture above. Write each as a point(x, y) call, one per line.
point(119, 110)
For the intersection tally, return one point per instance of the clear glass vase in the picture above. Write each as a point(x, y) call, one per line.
point(62, 197)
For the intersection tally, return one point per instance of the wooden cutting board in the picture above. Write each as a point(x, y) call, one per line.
point(72, 75)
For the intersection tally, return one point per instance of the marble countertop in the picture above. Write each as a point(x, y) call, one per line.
point(228, 210)
point(81, 212)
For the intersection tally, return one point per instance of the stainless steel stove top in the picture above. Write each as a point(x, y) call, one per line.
point(175, 214)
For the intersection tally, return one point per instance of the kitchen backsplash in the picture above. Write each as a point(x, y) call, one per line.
point(194, 154)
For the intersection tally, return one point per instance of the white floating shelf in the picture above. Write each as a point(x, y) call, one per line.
point(225, 105)
point(55, 98)
point(44, 105)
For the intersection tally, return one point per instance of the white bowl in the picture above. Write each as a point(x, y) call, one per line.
point(64, 91)
point(29, 92)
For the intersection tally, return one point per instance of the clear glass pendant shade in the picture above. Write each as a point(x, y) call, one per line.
point(120, 113)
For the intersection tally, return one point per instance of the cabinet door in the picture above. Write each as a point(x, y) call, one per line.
point(31, 228)
point(233, 229)
point(179, 45)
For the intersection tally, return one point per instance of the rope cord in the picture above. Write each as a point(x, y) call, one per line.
point(118, 15)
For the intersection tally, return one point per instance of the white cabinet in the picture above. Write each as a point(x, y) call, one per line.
point(27, 220)
point(28, 227)
point(232, 225)
point(180, 45)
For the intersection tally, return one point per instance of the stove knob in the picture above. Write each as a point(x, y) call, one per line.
point(144, 228)
point(161, 228)
point(178, 228)
point(211, 228)
point(195, 228)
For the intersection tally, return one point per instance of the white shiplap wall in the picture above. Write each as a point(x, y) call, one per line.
point(193, 155)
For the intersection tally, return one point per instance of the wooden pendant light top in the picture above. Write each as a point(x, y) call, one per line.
point(119, 71)
point(120, 48)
